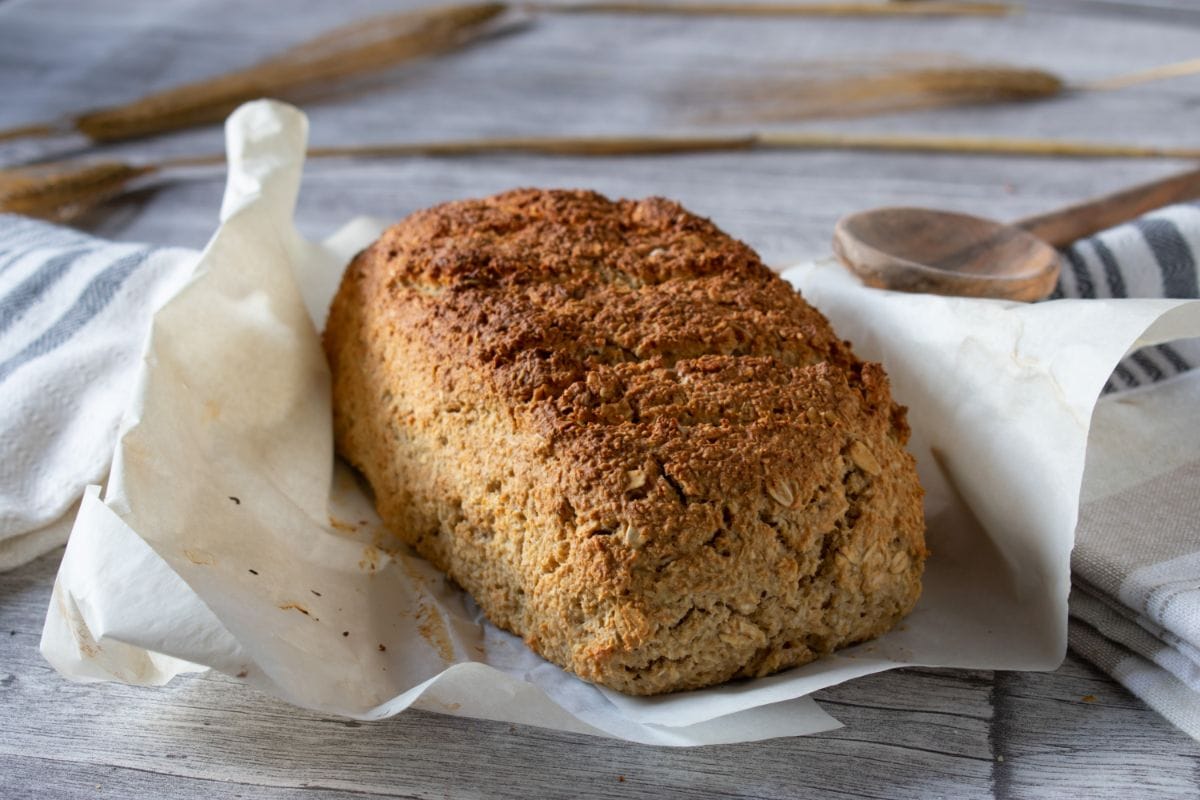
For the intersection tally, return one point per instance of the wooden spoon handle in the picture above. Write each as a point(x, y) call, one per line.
point(1072, 223)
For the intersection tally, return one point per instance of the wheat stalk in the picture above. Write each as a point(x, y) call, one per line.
point(64, 190)
point(354, 50)
point(879, 86)
point(913, 8)
point(969, 145)
point(1176, 70)
point(61, 192)
point(775, 97)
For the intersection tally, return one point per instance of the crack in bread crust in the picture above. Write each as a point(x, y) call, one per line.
point(630, 441)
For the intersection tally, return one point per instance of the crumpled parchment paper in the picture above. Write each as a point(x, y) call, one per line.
point(229, 538)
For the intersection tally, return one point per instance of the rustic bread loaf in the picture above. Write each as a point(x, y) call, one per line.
point(631, 442)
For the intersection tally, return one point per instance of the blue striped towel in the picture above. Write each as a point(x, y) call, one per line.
point(73, 313)
point(1154, 256)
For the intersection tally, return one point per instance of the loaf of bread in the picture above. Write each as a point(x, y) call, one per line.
point(632, 443)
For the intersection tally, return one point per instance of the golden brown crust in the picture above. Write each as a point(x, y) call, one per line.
point(629, 440)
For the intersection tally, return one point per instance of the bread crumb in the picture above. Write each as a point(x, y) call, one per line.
point(200, 558)
point(294, 607)
point(344, 527)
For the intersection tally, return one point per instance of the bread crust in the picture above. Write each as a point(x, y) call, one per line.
point(631, 442)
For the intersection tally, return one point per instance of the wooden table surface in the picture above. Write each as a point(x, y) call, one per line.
point(909, 733)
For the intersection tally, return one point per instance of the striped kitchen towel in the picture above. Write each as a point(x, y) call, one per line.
point(1154, 256)
point(73, 314)
point(1135, 597)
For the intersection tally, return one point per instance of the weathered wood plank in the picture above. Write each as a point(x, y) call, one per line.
point(1075, 733)
point(32, 777)
point(912, 733)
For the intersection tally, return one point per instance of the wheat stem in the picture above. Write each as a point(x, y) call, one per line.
point(973, 145)
point(62, 191)
point(914, 8)
point(867, 89)
point(548, 145)
point(792, 140)
point(1177, 70)
point(208, 160)
point(28, 132)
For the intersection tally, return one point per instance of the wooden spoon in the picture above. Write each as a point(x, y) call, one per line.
point(940, 252)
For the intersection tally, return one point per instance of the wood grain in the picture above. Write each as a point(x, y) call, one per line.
point(939, 252)
point(1062, 226)
point(909, 734)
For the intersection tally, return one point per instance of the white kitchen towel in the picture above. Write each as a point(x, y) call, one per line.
point(1135, 599)
point(74, 311)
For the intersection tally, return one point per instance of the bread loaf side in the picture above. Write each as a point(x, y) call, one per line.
point(631, 442)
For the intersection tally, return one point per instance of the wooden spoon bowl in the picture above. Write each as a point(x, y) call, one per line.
point(941, 252)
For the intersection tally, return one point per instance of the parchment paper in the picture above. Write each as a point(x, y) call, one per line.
point(228, 538)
